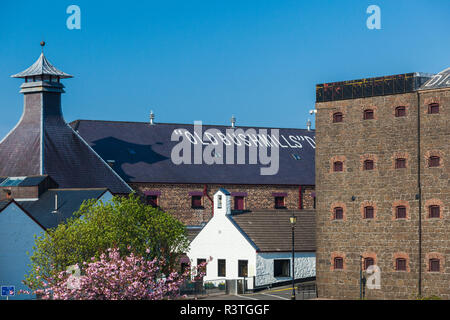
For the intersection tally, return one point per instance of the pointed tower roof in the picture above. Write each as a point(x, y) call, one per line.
point(42, 67)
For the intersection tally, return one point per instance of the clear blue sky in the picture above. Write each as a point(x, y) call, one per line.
point(206, 60)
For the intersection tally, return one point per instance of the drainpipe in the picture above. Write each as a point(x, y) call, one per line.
point(419, 195)
point(205, 193)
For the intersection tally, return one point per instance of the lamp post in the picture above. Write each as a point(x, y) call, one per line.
point(293, 221)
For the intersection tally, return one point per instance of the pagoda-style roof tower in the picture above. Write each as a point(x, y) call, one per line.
point(42, 143)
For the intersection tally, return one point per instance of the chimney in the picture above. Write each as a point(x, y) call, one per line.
point(152, 118)
point(233, 121)
point(56, 204)
point(308, 125)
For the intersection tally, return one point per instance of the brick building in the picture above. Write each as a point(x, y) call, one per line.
point(382, 180)
point(141, 153)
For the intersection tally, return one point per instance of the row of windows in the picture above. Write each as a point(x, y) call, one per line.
point(400, 163)
point(434, 211)
point(281, 267)
point(400, 111)
point(434, 264)
point(197, 202)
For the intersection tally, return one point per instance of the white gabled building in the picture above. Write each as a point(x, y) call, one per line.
point(255, 246)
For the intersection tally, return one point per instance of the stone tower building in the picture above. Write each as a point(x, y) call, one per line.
point(382, 183)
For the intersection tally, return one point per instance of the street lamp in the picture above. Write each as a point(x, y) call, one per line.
point(293, 221)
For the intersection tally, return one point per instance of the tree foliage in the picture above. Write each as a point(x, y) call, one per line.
point(125, 223)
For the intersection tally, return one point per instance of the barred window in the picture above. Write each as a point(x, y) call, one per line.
point(368, 212)
point(400, 212)
point(338, 263)
point(400, 264)
point(338, 117)
point(338, 166)
point(400, 111)
point(368, 114)
point(338, 213)
point(434, 211)
point(400, 163)
point(433, 108)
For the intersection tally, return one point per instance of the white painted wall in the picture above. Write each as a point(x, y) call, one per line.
point(220, 239)
point(305, 266)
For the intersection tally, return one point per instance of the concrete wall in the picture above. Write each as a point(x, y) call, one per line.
point(305, 266)
point(17, 232)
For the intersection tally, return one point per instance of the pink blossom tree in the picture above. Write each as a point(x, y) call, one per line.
point(116, 277)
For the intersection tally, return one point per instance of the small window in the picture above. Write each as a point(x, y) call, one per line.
point(221, 268)
point(368, 114)
point(368, 262)
point(434, 265)
point(368, 164)
point(338, 213)
point(368, 212)
point(338, 117)
point(152, 201)
point(196, 202)
point(242, 268)
point(400, 111)
point(281, 268)
point(434, 211)
point(433, 161)
point(400, 212)
point(184, 266)
point(338, 263)
point(400, 163)
point(433, 108)
point(400, 264)
point(239, 203)
point(338, 166)
point(279, 203)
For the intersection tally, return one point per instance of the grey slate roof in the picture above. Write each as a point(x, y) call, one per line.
point(270, 231)
point(69, 201)
point(42, 67)
point(440, 80)
point(142, 153)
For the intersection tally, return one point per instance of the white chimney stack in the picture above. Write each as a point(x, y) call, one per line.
point(233, 121)
point(152, 117)
point(308, 125)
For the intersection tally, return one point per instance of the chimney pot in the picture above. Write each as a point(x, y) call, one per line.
point(152, 117)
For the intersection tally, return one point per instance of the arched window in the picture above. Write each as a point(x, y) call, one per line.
point(400, 111)
point(434, 211)
point(338, 117)
point(400, 264)
point(434, 161)
point(368, 212)
point(338, 263)
point(434, 265)
point(400, 212)
point(368, 114)
point(338, 213)
point(368, 262)
point(400, 163)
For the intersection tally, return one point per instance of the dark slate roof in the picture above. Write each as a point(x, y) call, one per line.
point(42, 67)
point(142, 153)
point(69, 201)
point(440, 80)
point(270, 231)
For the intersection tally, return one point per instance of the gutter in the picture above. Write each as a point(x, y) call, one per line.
point(205, 193)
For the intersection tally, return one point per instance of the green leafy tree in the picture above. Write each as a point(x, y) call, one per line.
point(125, 223)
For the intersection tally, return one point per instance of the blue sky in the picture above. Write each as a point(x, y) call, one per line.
point(206, 60)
